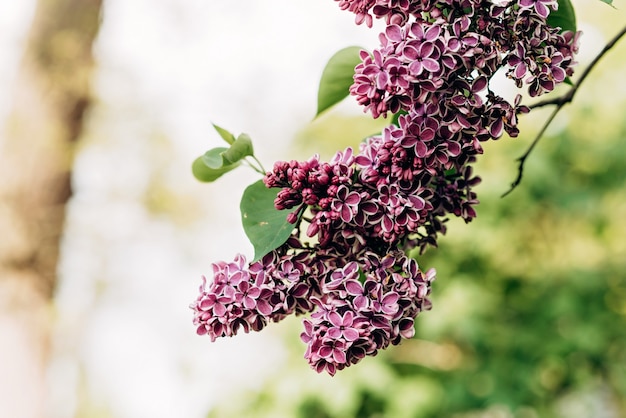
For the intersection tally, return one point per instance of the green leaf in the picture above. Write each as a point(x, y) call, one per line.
point(226, 136)
point(337, 78)
point(266, 227)
point(213, 157)
point(564, 17)
point(207, 174)
point(609, 2)
point(241, 148)
point(221, 157)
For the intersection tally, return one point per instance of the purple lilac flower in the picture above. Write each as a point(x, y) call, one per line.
point(357, 318)
point(244, 296)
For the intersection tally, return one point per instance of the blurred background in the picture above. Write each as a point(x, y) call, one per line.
point(104, 233)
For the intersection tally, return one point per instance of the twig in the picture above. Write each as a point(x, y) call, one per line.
point(560, 102)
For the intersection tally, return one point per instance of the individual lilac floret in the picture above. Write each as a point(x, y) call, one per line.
point(365, 306)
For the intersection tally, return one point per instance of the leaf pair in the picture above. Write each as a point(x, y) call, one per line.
point(218, 161)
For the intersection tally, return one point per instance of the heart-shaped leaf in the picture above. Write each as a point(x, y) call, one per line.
point(266, 227)
point(337, 78)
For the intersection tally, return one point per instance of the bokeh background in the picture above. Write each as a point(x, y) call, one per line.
point(529, 307)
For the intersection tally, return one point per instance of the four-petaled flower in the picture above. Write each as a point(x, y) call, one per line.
point(342, 326)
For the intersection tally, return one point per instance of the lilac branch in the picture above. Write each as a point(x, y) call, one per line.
point(560, 102)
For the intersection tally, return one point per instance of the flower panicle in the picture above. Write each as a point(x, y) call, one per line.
point(366, 208)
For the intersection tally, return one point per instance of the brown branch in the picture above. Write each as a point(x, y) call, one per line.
point(560, 102)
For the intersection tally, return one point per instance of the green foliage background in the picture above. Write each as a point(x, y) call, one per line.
point(529, 308)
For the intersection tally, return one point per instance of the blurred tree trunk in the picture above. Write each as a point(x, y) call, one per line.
point(52, 96)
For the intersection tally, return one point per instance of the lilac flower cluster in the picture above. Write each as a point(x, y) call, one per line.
point(363, 211)
point(432, 51)
point(434, 66)
point(394, 194)
point(365, 306)
point(361, 306)
point(248, 296)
